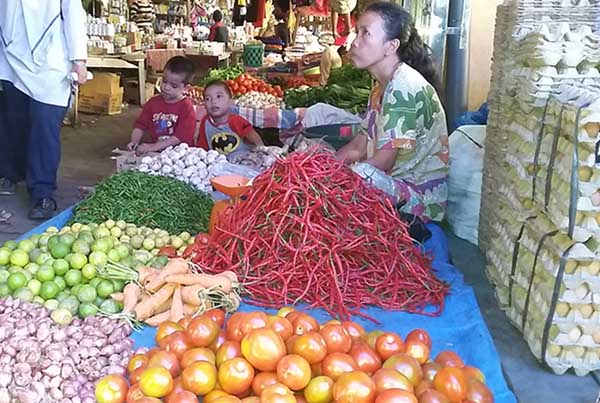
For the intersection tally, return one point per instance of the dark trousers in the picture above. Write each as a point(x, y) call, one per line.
point(29, 141)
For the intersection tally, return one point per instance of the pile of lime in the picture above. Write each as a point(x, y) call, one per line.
point(59, 269)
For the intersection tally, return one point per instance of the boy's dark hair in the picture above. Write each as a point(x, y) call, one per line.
point(219, 83)
point(217, 16)
point(181, 65)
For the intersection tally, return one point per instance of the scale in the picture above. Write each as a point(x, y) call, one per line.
point(234, 186)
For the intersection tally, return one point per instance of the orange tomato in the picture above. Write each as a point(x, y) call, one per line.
point(407, 366)
point(354, 387)
point(430, 369)
point(177, 343)
point(254, 321)
point(421, 335)
point(281, 326)
point(263, 380)
point(304, 323)
point(111, 389)
point(433, 396)
point(134, 377)
point(134, 393)
point(451, 382)
point(396, 396)
point(182, 397)
point(355, 330)
point(319, 390)
point(214, 395)
point(449, 358)
point(217, 315)
point(282, 312)
point(185, 321)
point(197, 354)
point(235, 376)
point(311, 346)
point(478, 392)
point(232, 328)
point(165, 329)
point(336, 364)
point(227, 399)
point(202, 331)
point(167, 360)
point(199, 377)
point(277, 393)
point(229, 350)
point(389, 344)
point(336, 338)
point(263, 348)
point(366, 358)
point(417, 349)
point(177, 387)
point(221, 338)
point(156, 382)
point(294, 372)
point(137, 361)
point(391, 379)
point(424, 386)
point(473, 373)
point(371, 337)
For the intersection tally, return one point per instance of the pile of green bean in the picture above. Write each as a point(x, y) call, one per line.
point(152, 201)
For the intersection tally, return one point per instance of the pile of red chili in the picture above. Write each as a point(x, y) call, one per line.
point(311, 230)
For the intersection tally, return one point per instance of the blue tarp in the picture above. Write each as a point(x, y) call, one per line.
point(460, 327)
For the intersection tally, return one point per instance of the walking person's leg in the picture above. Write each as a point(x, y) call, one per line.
point(14, 132)
point(43, 157)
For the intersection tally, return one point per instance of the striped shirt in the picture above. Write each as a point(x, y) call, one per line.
point(142, 13)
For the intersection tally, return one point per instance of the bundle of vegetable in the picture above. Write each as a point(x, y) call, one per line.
point(260, 158)
point(149, 200)
point(290, 357)
point(45, 362)
point(154, 296)
point(227, 73)
point(59, 270)
point(259, 100)
point(311, 230)
point(347, 88)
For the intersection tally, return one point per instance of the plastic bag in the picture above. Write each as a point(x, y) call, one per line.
point(227, 168)
point(464, 181)
point(324, 115)
point(376, 178)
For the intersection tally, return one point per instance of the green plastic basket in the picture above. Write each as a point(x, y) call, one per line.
point(253, 55)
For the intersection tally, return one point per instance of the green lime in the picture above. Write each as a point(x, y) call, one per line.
point(85, 237)
point(114, 256)
point(38, 300)
point(60, 297)
point(51, 304)
point(76, 288)
point(43, 258)
point(70, 303)
point(148, 244)
point(26, 245)
point(24, 294)
point(4, 275)
point(19, 258)
point(15, 269)
point(68, 256)
point(77, 261)
point(35, 238)
point(111, 306)
point(136, 241)
point(4, 256)
point(116, 232)
point(53, 241)
point(98, 259)
point(105, 288)
point(68, 239)
point(35, 286)
point(100, 245)
point(60, 282)
point(12, 245)
point(87, 309)
point(177, 242)
point(60, 266)
point(59, 250)
point(102, 232)
point(5, 290)
point(89, 271)
point(34, 253)
point(92, 226)
point(124, 250)
point(73, 277)
point(95, 281)
point(27, 275)
point(87, 293)
point(45, 273)
point(61, 316)
point(49, 290)
point(81, 247)
point(52, 230)
point(16, 280)
point(98, 301)
point(43, 241)
point(32, 268)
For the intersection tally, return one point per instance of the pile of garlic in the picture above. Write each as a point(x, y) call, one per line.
point(259, 100)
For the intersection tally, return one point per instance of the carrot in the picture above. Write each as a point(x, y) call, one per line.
point(158, 319)
point(190, 310)
point(149, 306)
point(205, 280)
point(175, 266)
point(191, 294)
point(118, 296)
point(230, 275)
point(144, 272)
point(131, 296)
point(166, 306)
point(176, 311)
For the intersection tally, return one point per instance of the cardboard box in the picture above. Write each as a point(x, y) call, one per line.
point(103, 83)
point(132, 93)
point(101, 103)
point(134, 38)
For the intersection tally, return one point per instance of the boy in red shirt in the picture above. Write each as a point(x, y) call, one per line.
point(220, 129)
point(168, 118)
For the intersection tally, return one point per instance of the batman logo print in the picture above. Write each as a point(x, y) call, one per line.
point(225, 143)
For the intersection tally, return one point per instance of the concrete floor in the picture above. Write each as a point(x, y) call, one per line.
point(86, 159)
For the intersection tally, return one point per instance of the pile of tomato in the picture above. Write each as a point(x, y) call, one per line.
point(246, 83)
point(295, 82)
point(290, 358)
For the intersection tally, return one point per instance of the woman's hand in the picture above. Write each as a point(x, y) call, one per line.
point(354, 151)
point(384, 159)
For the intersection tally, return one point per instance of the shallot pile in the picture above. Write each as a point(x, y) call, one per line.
point(44, 362)
point(260, 158)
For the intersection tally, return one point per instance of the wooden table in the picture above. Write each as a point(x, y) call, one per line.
point(125, 62)
point(202, 63)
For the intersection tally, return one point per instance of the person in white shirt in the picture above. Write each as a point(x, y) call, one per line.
point(42, 43)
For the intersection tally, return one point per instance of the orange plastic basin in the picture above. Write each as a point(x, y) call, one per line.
point(231, 185)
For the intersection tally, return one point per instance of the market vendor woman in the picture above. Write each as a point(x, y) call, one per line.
point(404, 134)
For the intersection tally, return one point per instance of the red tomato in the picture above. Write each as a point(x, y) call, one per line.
point(177, 387)
point(199, 377)
point(111, 389)
point(177, 343)
point(277, 393)
point(452, 383)
point(232, 328)
point(137, 361)
point(185, 321)
point(336, 338)
point(421, 335)
point(167, 251)
point(221, 338)
point(430, 369)
point(371, 337)
point(197, 354)
point(407, 366)
point(311, 346)
point(243, 90)
point(229, 350)
point(202, 331)
point(319, 390)
point(433, 396)
point(355, 330)
point(156, 382)
point(165, 329)
point(254, 321)
point(167, 360)
point(389, 344)
point(396, 396)
point(334, 365)
point(423, 387)
point(417, 349)
point(366, 358)
point(235, 376)
point(134, 393)
point(391, 379)
point(304, 323)
point(473, 373)
point(354, 387)
point(294, 372)
point(281, 326)
point(478, 392)
point(182, 397)
point(263, 380)
point(263, 348)
point(449, 358)
point(217, 315)
point(134, 377)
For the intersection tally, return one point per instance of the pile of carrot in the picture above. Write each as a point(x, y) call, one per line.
point(177, 291)
point(312, 230)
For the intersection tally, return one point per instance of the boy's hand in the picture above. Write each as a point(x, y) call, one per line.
point(144, 148)
point(132, 146)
